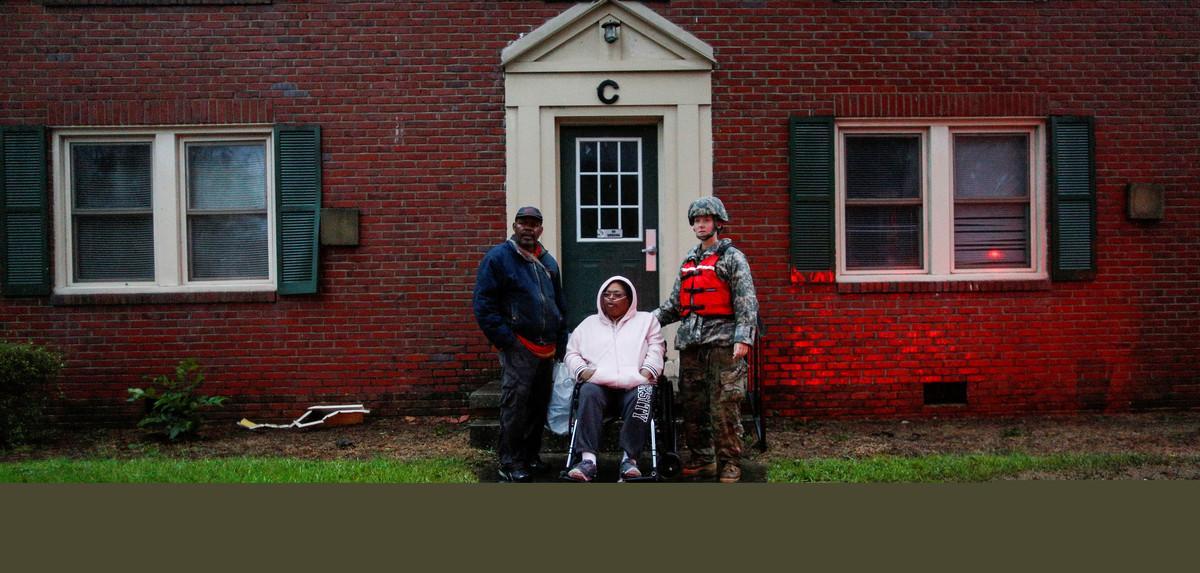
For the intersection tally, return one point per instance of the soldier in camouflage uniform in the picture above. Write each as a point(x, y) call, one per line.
point(714, 299)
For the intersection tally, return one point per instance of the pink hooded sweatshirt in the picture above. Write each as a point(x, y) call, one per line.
point(617, 351)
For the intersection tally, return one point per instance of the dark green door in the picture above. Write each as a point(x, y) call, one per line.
point(609, 213)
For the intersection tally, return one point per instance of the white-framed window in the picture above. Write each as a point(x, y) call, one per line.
point(164, 210)
point(940, 200)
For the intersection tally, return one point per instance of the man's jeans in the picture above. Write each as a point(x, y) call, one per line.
point(526, 382)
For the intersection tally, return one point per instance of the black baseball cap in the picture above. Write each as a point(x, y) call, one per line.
point(528, 212)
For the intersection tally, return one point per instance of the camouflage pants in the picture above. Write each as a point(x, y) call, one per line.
point(711, 387)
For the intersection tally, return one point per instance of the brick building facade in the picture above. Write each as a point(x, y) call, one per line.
point(419, 118)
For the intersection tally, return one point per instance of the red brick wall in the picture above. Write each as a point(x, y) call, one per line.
point(1125, 340)
point(409, 96)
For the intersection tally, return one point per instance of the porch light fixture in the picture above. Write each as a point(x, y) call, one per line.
point(612, 30)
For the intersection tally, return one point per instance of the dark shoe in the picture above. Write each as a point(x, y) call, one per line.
point(514, 475)
point(731, 473)
point(629, 469)
point(537, 466)
point(706, 470)
point(584, 471)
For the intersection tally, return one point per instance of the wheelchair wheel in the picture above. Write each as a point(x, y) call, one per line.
point(669, 465)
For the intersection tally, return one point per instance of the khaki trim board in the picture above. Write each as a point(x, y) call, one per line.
point(652, 73)
point(641, 39)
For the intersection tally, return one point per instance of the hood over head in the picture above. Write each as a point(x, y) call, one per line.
point(633, 300)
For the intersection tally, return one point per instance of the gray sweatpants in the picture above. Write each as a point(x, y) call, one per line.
point(635, 408)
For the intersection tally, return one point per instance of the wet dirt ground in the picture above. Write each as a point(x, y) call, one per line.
point(1173, 438)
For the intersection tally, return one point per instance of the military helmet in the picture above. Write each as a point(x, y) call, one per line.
point(707, 206)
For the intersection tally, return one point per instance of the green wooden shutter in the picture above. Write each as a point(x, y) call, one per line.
point(24, 255)
point(298, 206)
point(1072, 198)
point(810, 164)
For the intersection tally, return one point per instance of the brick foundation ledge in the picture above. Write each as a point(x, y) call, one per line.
point(944, 286)
point(161, 298)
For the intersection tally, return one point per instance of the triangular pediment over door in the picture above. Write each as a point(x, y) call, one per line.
point(575, 41)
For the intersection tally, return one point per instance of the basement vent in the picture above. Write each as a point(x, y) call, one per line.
point(945, 393)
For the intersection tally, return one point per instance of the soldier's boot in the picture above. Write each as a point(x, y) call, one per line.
point(731, 473)
point(700, 470)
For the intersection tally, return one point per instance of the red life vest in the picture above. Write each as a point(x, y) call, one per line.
point(702, 291)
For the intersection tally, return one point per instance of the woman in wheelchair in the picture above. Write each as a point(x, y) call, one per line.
point(617, 356)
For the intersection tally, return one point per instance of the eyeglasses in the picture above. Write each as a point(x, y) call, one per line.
point(614, 295)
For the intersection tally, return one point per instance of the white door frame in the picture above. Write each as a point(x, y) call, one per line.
point(663, 77)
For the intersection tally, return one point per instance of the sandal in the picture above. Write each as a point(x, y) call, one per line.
point(583, 471)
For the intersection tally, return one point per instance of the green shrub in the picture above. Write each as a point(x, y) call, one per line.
point(174, 409)
point(27, 373)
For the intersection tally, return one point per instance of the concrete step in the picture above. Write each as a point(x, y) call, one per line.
point(484, 402)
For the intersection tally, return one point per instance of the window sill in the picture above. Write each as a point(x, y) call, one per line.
point(69, 3)
point(944, 286)
point(162, 298)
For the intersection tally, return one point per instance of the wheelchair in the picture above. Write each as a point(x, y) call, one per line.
point(662, 440)
point(754, 401)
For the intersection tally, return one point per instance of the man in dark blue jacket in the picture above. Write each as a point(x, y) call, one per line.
point(519, 306)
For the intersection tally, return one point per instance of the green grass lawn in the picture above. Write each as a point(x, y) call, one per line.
point(949, 468)
point(925, 469)
point(236, 470)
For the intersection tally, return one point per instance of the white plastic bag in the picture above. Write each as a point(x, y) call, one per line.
point(559, 414)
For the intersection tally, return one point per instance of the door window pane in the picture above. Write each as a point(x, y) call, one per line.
point(608, 190)
point(629, 156)
point(629, 190)
point(587, 189)
point(227, 213)
point(587, 156)
point(613, 188)
point(609, 218)
point(589, 223)
point(608, 156)
point(629, 218)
